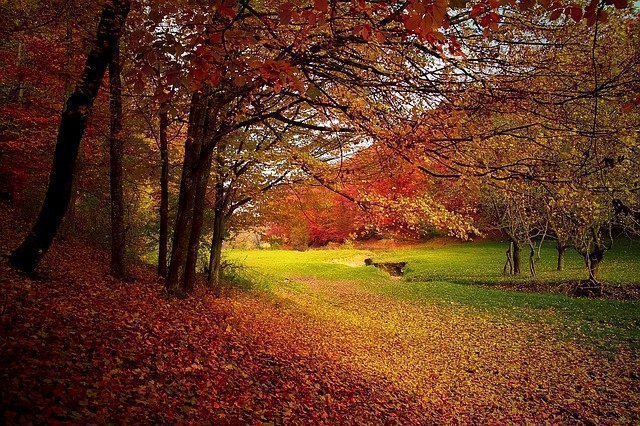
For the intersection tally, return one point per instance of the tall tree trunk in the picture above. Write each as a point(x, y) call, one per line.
point(215, 257)
point(516, 258)
point(561, 248)
point(164, 192)
point(202, 182)
point(198, 130)
point(72, 125)
point(115, 167)
point(69, 223)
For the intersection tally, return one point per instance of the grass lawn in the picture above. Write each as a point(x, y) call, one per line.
point(446, 275)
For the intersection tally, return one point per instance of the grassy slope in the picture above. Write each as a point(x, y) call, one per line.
point(442, 275)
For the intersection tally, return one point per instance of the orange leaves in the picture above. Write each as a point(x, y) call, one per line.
point(478, 10)
point(484, 14)
point(526, 4)
point(591, 13)
point(321, 5)
point(285, 11)
point(490, 21)
point(226, 9)
point(575, 12)
point(426, 16)
point(204, 73)
point(368, 33)
point(289, 11)
point(619, 4)
point(281, 74)
point(631, 104)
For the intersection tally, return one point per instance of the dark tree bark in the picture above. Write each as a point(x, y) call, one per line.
point(202, 182)
point(198, 131)
point(193, 187)
point(516, 258)
point(164, 193)
point(72, 125)
point(561, 248)
point(115, 167)
point(69, 222)
point(219, 223)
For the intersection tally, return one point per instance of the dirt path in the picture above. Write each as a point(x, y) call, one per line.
point(457, 362)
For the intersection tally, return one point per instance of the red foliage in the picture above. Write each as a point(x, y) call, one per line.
point(314, 216)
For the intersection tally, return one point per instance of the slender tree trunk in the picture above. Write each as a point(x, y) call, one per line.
point(115, 166)
point(508, 266)
point(164, 193)
point(532, 259)
point(202, 182)
point(215, 257)
point(561, 248)
point(72, 125)
point(516, 258)
point(198, 130)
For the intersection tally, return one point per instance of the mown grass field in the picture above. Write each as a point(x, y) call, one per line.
point(462, 275)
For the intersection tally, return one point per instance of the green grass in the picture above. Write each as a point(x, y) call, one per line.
point(482, 263)
point(446, 276)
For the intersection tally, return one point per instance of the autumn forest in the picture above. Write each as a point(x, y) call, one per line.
point(320, 212)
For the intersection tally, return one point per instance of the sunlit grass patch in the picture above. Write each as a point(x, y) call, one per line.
point(444, 275)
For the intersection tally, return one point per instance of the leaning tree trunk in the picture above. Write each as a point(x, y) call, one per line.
point(215, 257)
point(72, 124)
point(203, 173)
point(561, 248)
point(164, 192)
point(198, 131)
point(115, 167)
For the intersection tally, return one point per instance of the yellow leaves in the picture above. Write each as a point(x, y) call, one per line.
point(419, 213)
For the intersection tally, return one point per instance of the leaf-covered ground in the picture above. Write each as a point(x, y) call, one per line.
point(79, 347)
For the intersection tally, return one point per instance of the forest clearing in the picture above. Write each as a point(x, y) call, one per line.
point(318, 336)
